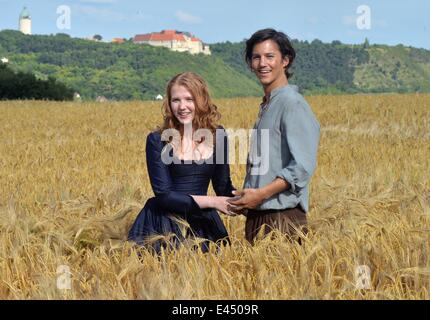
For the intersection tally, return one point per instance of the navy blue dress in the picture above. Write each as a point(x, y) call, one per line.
point(173, 184)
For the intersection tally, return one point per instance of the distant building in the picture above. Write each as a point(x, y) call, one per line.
point(118, 40)
point(4, 60)
point(174, 40)
point(159, 97)
point(25, 21)
point(96, 38)
point(77, 96)
point(101, 99)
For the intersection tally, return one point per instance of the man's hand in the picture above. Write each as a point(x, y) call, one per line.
point(246, 199)
point(252, 198)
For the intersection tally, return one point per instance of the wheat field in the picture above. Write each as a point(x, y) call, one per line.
point(73, 178)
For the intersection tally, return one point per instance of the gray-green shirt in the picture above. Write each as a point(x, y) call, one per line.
point(284, 144)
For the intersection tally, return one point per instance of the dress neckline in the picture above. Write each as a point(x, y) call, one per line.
point(203, 160)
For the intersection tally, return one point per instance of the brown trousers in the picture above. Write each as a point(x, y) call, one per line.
point(287, 221)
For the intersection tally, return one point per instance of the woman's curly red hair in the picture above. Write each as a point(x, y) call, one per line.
point(206, 112)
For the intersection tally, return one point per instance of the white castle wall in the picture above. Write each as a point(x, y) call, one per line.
point(194, 47)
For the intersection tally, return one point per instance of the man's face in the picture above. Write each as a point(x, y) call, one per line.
point(268, 64)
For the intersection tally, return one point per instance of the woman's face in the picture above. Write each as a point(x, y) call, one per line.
point(182, 104)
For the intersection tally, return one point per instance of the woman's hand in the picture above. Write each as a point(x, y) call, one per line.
point(221, 204)
point(217, 203)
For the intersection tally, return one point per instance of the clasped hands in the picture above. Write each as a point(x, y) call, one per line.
point(242, 201)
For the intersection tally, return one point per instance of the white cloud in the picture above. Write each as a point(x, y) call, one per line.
point(104, 14)
point(109, 15)
point(187, 17)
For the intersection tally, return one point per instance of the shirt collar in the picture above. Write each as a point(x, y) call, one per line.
point(264, 102)
point(266, 99)
point(276, 91)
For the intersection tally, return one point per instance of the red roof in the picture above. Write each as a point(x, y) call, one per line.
point(165, 35)
point(118, 40)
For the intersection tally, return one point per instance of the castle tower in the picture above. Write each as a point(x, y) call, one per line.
point(25, 21)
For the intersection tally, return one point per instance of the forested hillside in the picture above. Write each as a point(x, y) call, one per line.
point(322, 68)
point(129, 71)
point(22, 85)
point(117, 71)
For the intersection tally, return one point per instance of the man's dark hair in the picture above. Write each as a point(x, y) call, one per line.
point(280, 38)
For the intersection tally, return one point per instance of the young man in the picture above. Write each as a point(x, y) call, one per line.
point(286, 137)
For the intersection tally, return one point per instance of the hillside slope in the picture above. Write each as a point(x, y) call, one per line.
point(339, 68)
point(128, 71)
point(395, 69)
point(117, 71)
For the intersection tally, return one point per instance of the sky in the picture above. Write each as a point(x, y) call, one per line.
point(350, 21)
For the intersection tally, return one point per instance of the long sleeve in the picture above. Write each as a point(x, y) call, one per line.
point(221, 180)
point(302, 131)
point(161, 181)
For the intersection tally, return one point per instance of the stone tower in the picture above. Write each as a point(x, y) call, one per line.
point(25, 21)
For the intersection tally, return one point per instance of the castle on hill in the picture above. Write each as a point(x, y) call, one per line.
point(174, 40)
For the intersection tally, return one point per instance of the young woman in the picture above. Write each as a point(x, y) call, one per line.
point(181, 168)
